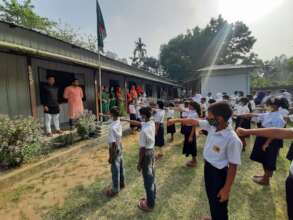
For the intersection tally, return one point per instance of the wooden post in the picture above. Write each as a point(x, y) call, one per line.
point(100, 82)
point(32, 89)
point(125, 94)
point(97, 95)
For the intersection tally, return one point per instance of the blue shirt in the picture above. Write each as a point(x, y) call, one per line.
point(271, 120)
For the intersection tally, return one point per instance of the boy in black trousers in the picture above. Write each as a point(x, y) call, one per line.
point(222, 154)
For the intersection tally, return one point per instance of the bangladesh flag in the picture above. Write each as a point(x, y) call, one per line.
point(101, 27)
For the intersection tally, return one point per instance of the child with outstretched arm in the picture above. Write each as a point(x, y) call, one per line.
point(146, 157)
point(222, 154)
point(280, 133)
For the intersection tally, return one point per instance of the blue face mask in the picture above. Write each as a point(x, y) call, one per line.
point(213, 122)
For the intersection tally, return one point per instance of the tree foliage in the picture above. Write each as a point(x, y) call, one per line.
point(23, 14)
point(218, 43)
point(276, 72)
point(139, 53)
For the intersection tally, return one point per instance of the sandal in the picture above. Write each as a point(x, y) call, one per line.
point(191, 164)
point(158, 157)
point(142, 204)
point(109, 193)
point(261, 181)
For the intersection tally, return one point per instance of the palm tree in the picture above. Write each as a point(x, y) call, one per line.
point(139, 53)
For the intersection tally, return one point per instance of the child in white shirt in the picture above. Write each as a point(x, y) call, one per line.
point(146, 162)
point(171, 129)
point(115, 154)
point(222, 154)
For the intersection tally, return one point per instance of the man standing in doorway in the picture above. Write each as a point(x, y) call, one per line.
point(74, 95)
point(51, 106)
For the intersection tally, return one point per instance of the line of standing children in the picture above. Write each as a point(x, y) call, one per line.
point(266, 150)
point(222, 154)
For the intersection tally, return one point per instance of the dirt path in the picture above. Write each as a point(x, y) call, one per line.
point(32, 198)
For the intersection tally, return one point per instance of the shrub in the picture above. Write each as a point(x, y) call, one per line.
point(86, 124)
point(19, 139)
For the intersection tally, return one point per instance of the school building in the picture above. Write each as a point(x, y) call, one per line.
point(27, 56)
point(221, 78)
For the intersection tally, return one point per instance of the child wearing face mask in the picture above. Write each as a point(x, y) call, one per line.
point(146, 161)
point(266, 150)
point(222, 154)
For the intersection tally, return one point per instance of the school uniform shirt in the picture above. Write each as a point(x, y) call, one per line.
point(115, 132)
point(184, 114)
point(204, 107)
point(271, 120)
point(147, 135)
point(132, 109)
point(284, 112)
point(159, 116)
point(137, 108)
point(170, 113)
point(240, 109)
point(252, 104)
point(197, 98)
point(291, 168)
point(191, 114)
point(221, 147)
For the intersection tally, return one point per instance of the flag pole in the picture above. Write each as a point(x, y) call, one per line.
point(100, 81)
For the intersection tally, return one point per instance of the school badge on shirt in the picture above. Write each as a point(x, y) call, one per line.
point(216, 149)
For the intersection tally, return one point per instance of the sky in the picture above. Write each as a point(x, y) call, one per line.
point(157, 21)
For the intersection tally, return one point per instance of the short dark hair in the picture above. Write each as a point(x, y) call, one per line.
point(244, 100)
point(160, 104)
point(284, 103)
point(211, 101)
point(196, 107)
point(222, 109)
point(50, 76)
point(115, 111)
point(171, 104)
point(146, 111)
point(273, 101)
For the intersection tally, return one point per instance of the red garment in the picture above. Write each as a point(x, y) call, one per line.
point(139, 90)
point(133, 92)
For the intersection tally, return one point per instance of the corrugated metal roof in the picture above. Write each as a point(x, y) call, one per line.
point(33, 42)
point(226, 67)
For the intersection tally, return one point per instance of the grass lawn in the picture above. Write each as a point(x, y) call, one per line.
point(180, 191)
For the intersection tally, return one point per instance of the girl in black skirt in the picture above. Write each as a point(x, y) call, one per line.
point(159, 115)
point(183, 114)
point(243, 107)
point(189, 131)
point(282, 134)
point(265, 150)
point(171, 129)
